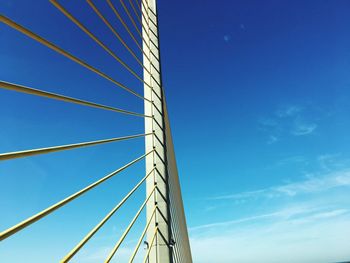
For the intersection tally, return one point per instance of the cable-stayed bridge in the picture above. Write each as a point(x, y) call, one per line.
point(164, 236)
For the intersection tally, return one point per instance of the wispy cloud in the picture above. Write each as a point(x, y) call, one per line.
point(272, 139)
point(265, 123)
point(285, 214)
point(303, 221)
point(331, 162)
point(292, 120)
point(301, 230)
point(300, 213)
point(310, 185)
point(227, 38)
point(288, 111)
point(317, 237)
point(320, 216)
point(303, 128)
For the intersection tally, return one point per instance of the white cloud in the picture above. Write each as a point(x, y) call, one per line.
point(304, 129)
point(297, 159)
point(305, 221)
point(311, 185)
point(232, 222)
point(272, 139)
point(300, 212)
point(321, 215)
point(268, 122)
point(318, 241)
point(227, 38)
point(288, 111)
point(289, 120)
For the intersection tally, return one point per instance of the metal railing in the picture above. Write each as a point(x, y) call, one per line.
point(165, 230)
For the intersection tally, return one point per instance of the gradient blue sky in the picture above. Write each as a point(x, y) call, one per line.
point(258, 95)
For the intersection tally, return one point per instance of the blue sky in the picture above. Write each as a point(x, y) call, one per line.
point(257, 94)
